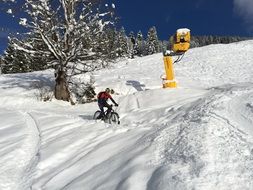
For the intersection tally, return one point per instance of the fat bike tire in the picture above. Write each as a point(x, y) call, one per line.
point(114, 118)
point(96, 114)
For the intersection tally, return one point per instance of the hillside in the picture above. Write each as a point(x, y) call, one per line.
point(198, 136)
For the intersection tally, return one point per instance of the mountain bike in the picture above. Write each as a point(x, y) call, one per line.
point(111, 118)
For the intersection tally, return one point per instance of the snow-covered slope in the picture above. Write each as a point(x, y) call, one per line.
point(197, 136)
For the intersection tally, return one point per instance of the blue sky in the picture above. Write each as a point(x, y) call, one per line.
point(202, 17)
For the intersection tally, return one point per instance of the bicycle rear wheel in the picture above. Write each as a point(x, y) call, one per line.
point(96, 114)
point(114, 118)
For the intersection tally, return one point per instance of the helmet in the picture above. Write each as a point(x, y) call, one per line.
point(107, 90)
point(112, 91)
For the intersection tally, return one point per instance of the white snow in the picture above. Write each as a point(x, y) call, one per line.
point(9, 11)
point(198, 136)
point(23, 21)
point(183, 30)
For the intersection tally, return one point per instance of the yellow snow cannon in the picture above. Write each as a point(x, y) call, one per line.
point(181, 40)
point(180, 44)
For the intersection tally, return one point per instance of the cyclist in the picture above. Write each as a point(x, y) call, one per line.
point(102, 102)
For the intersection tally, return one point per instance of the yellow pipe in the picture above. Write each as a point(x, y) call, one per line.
point(169, 81)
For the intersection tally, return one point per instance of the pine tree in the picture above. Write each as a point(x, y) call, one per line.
point(131, 45)
point(122, 43)
point(17, 61)
point(13, 60)
point(140, 44)
point(152, 45)
point(107, 46)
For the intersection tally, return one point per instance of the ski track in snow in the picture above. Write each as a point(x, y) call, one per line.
point(198, 136)
point(19, 155)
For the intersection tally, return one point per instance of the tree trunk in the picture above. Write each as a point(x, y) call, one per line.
point(61, 86)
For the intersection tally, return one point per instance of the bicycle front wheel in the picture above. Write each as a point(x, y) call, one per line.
point(114, 118)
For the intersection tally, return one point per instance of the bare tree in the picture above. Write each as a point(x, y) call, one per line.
point(72, 33)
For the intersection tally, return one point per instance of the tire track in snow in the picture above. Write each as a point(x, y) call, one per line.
point(76, 146)
point(21, 148)
point(34, 147)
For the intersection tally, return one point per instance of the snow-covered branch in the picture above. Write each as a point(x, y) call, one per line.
point(66, 30)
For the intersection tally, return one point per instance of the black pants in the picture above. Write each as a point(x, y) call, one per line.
point(101, 107)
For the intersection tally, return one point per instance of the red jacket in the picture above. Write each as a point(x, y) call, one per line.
point(103, 97)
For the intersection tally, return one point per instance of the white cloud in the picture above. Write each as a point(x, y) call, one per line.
point(244, 8)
